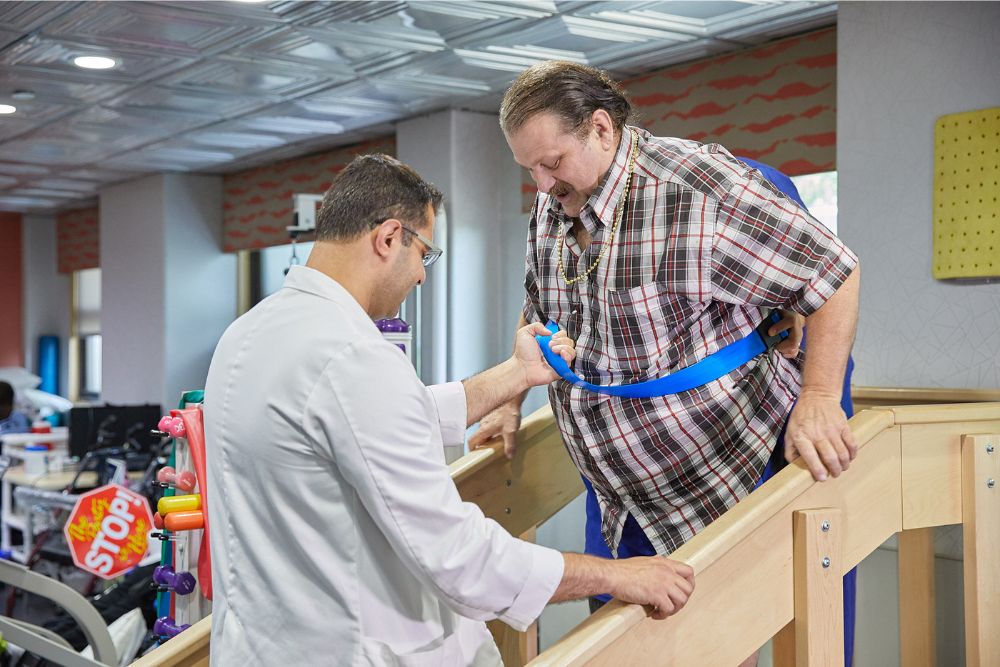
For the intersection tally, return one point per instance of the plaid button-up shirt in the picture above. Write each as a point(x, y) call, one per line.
point(705, 248)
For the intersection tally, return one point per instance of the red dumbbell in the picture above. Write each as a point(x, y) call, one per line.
point(184, 480)
point(172, 425)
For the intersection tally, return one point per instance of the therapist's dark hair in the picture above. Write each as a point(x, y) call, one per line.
point(369, 191)
point(571, 91)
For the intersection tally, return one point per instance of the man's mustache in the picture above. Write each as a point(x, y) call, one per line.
point(560, 189)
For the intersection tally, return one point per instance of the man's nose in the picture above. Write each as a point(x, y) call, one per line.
point(544, 180)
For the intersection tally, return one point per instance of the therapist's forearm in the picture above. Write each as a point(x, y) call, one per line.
point(831, 332)
point(488, 390)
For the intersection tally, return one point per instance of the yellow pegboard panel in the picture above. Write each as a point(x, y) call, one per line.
point(966, 192)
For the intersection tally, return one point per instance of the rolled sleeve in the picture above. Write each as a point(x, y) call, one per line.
point(768, 251)
point(540, 585)
point(452, 411)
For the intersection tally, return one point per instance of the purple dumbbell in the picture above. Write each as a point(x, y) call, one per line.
point(181, 583)
point(166, 627)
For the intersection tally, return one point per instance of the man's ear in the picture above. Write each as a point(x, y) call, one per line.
point(602, 124)
point(386, 236)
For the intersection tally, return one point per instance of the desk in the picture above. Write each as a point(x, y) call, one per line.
point(22, 521)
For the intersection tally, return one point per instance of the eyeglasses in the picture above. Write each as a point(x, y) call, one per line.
point(433, 252)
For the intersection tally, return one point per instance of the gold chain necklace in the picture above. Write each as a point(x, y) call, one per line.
point(619, 211)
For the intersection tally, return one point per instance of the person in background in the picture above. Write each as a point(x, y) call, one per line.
point(11, 421)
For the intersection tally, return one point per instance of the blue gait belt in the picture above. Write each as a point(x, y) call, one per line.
point(700, 373)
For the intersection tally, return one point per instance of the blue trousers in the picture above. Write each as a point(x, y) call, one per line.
point(635, 543)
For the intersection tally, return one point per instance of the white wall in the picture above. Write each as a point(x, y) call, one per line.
point(200, 281)
point(168, 290)
point(133, 285)
point(900, 67)
point(46, 293)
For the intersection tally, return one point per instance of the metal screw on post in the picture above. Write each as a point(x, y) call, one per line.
point(989, 449)
point(826, 561)
point(506, 510)
point(825, 526)
point(509, 482)
point(990, 483)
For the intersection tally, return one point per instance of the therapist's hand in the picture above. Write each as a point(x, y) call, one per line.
point(526, 353)
point(818, 433)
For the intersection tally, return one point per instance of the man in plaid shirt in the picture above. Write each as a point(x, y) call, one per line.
point(654, 253)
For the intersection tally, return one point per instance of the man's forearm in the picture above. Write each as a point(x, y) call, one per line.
point(491, 388)
point(494, 387)
point(831, 332)
point(583, 576)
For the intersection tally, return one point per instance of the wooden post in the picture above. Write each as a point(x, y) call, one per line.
point(917, 628)
point(981, 542)
point(819, 594)
point(783, 646)
point(516, 648)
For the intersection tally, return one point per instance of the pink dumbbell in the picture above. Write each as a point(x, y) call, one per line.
point(172, 425)
point(183, 480)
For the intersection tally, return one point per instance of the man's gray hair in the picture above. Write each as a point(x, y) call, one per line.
point(571, 91)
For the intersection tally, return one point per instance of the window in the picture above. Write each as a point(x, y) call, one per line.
point(85, 355)
point(819, 193)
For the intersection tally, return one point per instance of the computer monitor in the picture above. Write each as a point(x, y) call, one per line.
point(112, 426)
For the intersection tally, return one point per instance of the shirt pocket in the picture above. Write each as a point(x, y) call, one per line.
point(644, 326)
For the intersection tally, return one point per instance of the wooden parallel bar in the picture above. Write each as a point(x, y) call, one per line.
point(745, 560)
point(875, 397)
point(516, 648)
point(819, 591)
point(783, 647)
point(917, 626)
point(523, 493)
point(188, 649)
point(981, 544)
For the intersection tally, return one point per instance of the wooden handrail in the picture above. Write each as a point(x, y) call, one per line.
point(743, 561)
point(523, 493)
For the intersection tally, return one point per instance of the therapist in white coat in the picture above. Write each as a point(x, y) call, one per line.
point(338, 537)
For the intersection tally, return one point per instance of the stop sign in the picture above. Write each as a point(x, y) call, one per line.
point(108, 530)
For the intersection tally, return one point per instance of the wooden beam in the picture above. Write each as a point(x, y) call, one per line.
point(871, 397)
point(917, 627)
point(783, 647)
point(190, 648)
point(819, 590)
point(527, 491)
point(743, 562)
point(516, 648)
point(981, 545)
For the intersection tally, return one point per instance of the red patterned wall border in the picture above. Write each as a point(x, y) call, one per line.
point(775, 103)
point(257, 203)
point(78, 240)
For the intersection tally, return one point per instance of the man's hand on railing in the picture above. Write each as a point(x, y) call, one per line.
point(505, 422)
point(818, 432)
point(654, 581)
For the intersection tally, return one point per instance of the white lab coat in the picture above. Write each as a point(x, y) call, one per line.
point(337, 535)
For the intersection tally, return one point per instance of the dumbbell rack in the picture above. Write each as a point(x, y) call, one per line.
point(183, 550)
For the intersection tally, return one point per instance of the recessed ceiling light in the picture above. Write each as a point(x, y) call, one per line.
point(94, 62)
point(6, 108)
point(23, 95)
